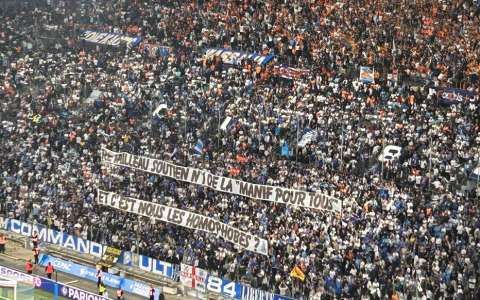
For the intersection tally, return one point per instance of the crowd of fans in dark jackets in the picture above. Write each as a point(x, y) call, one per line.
point(410, 225)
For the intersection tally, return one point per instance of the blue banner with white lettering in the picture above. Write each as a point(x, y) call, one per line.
point(156, 266)
point(65, 291)
point(56, 288)
point(232, 57)
point(223, 286)
point(80, 271)
point(85, 246)
point(450, 96)
point(128, 285)
point(200, 280)
point(55, 237)
point(249, 293)
point(74, 293)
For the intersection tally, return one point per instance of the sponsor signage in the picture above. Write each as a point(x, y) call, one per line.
point(202, 281)
point(48, 285)
point(55, 237)
point(249, 293)
point(128, 285)
point(80, 271)
point(17, 276)
point(78, 294)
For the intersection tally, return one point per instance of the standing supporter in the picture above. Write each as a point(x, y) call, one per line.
point(29, 266)
point(119, 294)
point(101, 289)
point(49, 269)
point(99, 276)
point(151, 293)
point(36, 254)
point(3, 242)
point(34, 239)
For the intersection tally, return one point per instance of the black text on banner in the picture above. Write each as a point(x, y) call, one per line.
point(224, 184)
point(183, 218)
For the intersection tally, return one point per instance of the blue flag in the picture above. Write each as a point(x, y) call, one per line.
point(199, 147)
point(452, 96)
point(285, 150)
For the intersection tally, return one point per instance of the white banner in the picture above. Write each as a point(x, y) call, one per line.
point(194, 278)
point(223, 184)
point(109, 38)
point(183, 218)
point(233, 57)
point(187, 275)
point(18, 276)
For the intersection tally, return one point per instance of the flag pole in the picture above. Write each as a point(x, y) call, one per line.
point(341, 150)
point(296, 146)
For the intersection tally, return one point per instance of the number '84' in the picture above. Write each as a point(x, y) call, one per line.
point(214, 284)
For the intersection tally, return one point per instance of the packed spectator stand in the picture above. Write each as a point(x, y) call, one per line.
point(410, 224)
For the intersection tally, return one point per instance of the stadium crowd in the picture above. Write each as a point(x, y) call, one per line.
point(410, 226)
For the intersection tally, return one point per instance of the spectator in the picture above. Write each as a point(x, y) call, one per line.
point(3, 242)
point(102, 289)
point(29, 266)
point(36, 254)
point(49, 269)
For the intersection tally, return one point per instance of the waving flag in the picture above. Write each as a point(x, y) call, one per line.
point(308, 137)
point(285, 150)
point(241, 158)
point(228, 124)
point(297, 273)
point(367, 75)
point(198, 147)
point(475, 174)
point(290, 73)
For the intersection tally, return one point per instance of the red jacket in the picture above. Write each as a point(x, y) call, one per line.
point(49, 269)
point(28, 266)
